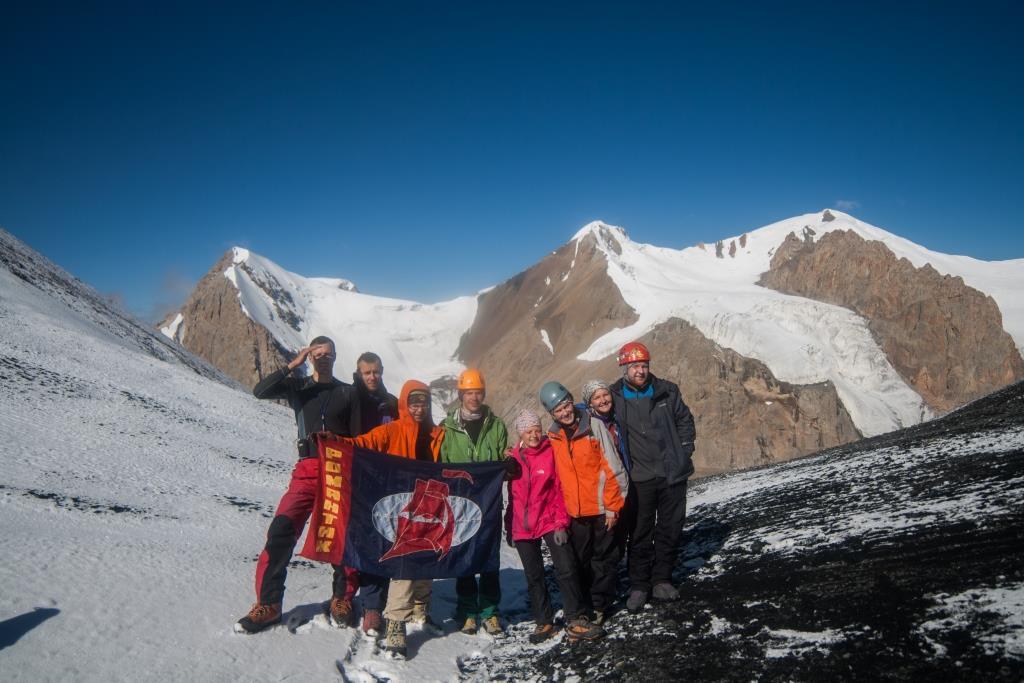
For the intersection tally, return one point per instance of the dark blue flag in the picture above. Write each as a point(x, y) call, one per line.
point(410, 519)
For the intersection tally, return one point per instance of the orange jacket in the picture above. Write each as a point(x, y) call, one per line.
point(592, 476)
point(399, 437)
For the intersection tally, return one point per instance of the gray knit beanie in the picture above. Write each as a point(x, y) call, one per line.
point(526, 419)
point(590, 387)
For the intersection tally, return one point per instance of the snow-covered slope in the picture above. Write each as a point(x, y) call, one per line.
point(416, 341)
point(801, 340)
point(134, 500)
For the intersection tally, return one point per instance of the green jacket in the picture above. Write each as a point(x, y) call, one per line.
point(457, 447)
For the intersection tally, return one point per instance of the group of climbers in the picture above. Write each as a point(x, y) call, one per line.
point(607, 477)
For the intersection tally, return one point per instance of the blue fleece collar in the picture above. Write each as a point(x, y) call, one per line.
point(627, 392)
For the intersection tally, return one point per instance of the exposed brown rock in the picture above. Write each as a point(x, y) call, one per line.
point(944, 338)
point(215, 328)
point(505, 339)
point(745, 417)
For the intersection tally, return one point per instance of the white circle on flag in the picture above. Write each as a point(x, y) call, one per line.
point(468, 516)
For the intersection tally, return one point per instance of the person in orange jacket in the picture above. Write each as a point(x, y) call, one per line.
point(594, 484)
point(412, 435)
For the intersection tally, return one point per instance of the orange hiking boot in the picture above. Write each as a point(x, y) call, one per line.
point(259, 618)
point(340, 611)
point(581, 628)
point(543, 632)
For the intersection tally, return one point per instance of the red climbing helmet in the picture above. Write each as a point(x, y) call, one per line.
point(634, 352)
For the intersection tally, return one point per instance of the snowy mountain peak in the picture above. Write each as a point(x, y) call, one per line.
point(603, 232)
point(239, 255)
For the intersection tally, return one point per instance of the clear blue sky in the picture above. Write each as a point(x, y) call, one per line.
point(430, 149)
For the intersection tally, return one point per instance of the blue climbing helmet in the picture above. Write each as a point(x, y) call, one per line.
point(551, 394)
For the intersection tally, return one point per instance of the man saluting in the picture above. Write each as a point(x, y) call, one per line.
point(321, 403)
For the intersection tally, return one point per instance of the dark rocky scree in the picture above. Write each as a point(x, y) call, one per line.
point(83, 504)
point(752, 610)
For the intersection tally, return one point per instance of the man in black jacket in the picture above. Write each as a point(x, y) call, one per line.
point(657, 432)
point(321, 403)
point(373, 406)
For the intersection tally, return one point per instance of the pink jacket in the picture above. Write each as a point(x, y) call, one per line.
point(535, 502)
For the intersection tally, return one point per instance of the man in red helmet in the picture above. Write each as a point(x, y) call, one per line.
point(657, 434)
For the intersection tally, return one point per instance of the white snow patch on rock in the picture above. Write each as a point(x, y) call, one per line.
point(786, 642)
point(1007, 638)
point(547, 342)
point(171, 330)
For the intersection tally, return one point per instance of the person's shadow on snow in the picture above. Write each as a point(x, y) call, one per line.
point(11, 630)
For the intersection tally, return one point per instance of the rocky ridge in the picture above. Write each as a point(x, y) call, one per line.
point(213, 326)
point(42, 274)
point(769, 376)
point(945, 338)
point(533, 327)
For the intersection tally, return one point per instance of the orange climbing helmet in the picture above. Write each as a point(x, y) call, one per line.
point(471, 379)
point(634, 352)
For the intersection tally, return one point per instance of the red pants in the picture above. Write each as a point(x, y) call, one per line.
point(290, 519)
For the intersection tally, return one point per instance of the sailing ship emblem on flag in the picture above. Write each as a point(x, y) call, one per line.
point(404, 518)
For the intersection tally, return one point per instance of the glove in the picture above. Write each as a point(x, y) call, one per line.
point(561, 537)
point(512, 469)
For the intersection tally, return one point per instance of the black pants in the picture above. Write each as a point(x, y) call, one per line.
point(479, 601)
point(597, 559)
point(627, 520)
point(565, 572)
point(373, 591)
point(654, 538)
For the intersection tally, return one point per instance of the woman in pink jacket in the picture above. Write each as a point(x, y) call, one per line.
point(536, 510)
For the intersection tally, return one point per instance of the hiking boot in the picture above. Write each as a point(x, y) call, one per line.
point(259, 618)
point(581, 628)
point(340, 612)
point(636, 600)
point(394, 643)
point(493, 626)
point(372, 623)
point(469, 626)
point(542, 633)
point(665, 591)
